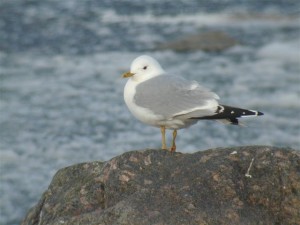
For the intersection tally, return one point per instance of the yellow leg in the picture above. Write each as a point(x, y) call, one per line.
point(163, 137)
point(173, 148)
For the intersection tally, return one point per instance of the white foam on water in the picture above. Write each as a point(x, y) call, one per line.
point(284, 51)
point(230, 18)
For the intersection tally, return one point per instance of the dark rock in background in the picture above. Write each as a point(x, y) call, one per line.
point(212, 41)
point(241, 185)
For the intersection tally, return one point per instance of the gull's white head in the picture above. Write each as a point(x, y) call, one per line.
point(143, 68)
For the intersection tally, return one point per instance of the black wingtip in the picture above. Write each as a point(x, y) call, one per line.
point(259, 113)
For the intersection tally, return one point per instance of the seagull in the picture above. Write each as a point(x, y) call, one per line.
point(172, 102)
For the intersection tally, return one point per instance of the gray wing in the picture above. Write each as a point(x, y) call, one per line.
point(172, 96)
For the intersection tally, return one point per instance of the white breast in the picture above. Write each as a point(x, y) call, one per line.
point(143, 114)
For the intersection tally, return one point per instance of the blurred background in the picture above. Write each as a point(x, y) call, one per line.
point(62, 95)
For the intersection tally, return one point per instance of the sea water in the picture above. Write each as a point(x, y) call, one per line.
point(62, 92)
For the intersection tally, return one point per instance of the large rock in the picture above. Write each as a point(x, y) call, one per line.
point(242, 185)
point(208, 41)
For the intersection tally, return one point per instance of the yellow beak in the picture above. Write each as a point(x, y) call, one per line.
point(128, 74)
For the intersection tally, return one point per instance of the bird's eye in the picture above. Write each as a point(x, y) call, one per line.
point(145, 67)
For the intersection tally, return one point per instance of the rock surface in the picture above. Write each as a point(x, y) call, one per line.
point(208, 41)
point(241, 185)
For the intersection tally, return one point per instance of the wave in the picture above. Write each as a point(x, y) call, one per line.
point(237, 18)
